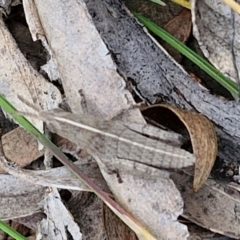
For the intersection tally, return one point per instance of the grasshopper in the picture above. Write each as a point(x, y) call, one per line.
point(117, 143)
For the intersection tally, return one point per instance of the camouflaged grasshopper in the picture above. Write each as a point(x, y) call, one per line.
point(117, 143)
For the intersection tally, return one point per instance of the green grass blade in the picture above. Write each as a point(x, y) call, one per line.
point(231, 86)
point(11, 232)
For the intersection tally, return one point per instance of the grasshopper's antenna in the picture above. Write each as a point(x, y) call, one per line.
point(31, 105)
point(26, 114)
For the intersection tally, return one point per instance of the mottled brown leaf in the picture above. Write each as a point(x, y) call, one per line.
point(203, 139)
point(180, 27)
point(20, 147)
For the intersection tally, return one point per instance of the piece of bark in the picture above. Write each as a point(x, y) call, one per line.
point(57, 177)
point(19, 199)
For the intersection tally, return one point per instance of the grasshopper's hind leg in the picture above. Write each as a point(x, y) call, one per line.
point(171, 138)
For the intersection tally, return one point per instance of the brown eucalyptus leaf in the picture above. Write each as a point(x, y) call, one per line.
point(20, 147)
point(203, 139)
point(180, 27)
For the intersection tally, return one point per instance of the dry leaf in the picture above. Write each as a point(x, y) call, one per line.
point(198, 233)
point(20, 147)
point(216, 28)
point(153, 199)
point(18, 198)
point(59, 223)
point(203, 139)
point(24, 190)
point(215, 206)
point(76, 77)
point(180, 27)
point(87, 210)
point(17, 77)
point(22, 229)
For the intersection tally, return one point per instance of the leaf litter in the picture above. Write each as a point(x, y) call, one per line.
point(88, 97)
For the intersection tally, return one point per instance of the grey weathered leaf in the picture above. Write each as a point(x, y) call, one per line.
point(216, 27)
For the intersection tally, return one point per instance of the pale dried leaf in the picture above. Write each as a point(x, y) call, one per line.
point(59, 222)
point(81, 81)
point(215, 206)
point(216, 27)
point(18, 198)
point(20, 147)
point(17, 77)
point(204, 141)
point(22, 191)
point(57, 177)
point(235, 6)
point(153, 199)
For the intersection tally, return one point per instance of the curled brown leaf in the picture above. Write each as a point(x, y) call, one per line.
point(203, 139)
